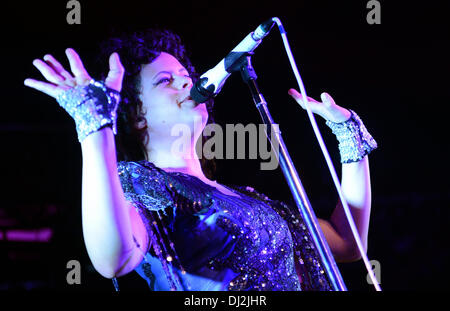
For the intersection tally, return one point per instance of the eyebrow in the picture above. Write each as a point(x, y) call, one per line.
point(169, 72)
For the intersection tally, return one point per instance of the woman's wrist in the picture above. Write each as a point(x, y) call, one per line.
point(342, 116)
point(355, 142)
point(93, 107)
point(99, 143)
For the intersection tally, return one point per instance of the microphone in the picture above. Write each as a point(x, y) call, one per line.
point(211, 82)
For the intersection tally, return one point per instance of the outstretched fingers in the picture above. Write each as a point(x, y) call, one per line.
point(77, 67)
point(327, 108)
point(56, 84)
point(48, 72)
point(47, 88)
point(57, 67)
point(299, 99)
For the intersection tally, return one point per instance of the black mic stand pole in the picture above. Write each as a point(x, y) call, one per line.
point(243, 64)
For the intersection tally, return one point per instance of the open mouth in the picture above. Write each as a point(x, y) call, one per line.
point(186, 99)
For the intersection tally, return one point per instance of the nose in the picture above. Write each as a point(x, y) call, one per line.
point(182, 82)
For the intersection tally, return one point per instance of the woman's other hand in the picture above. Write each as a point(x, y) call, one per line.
point(327, 108)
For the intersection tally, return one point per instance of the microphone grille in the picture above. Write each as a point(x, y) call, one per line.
point(263, 29)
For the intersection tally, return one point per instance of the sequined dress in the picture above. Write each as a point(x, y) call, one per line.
point(202, 239)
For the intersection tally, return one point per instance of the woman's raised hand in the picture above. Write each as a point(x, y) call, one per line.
point(327, 109)
point(60, 80)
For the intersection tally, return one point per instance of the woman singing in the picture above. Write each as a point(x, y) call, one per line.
point(159, 212)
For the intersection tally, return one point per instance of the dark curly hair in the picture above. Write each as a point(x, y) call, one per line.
point(135, 50)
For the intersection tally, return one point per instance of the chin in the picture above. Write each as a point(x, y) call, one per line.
point(202, 112)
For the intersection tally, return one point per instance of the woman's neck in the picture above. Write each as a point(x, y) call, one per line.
point(160, 153)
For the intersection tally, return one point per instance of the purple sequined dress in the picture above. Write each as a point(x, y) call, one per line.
point(202, 239)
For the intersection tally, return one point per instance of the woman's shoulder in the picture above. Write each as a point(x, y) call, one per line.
point(141, 164)
point(140, 173)
point(143, 182)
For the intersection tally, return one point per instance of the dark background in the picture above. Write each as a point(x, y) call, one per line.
point(394, 75)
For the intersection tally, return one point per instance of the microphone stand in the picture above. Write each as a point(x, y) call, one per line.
point(243, 64)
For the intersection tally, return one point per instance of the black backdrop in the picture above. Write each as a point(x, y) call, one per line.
point(394, 75)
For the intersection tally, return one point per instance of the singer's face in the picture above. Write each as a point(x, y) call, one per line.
point(165, 87)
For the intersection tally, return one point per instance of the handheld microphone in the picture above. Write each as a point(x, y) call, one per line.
point(211, 82)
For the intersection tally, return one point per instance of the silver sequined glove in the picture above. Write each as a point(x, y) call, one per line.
point(355, 142)
point(93, 107)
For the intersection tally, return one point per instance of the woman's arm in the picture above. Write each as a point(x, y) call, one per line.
point(355, 187)
point(109, 222)
point(357, 192)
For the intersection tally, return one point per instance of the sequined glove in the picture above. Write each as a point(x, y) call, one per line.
point(355, 142)
point(93, 107)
